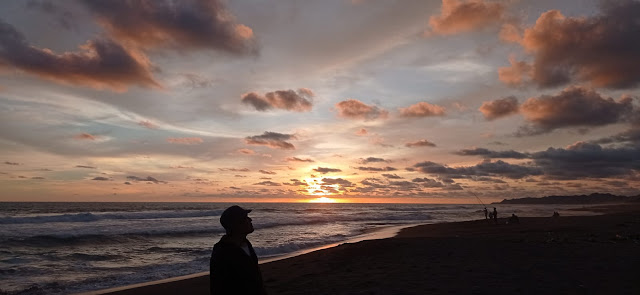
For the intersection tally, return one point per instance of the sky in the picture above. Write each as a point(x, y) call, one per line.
point(285, 101)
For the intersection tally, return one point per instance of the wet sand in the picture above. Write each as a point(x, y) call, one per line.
point(566, 255)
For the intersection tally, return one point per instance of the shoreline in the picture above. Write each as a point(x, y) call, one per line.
point(383, 232)
point(532, 231)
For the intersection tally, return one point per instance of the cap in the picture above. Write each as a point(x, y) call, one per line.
point(233, 215)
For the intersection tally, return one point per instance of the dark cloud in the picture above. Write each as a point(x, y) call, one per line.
point(273, 140)
point(127, 183)
point(573, 107)
point(420, 143)
point(289, 100)
point(325, 170)
point(376, 169)
point(197, 24)
point(267, 183)
point(486, 153)
point(295, 182)
point(37, 177)
point(422, 109)
point(296, 159)
point(428, 182)
point(464, 16)
point(100, 63)
point(11, 163)
point(85, 166)
point(499, 108)
point(588, 160)
point(235, 169)
point(267, 172)
point(338, 181)
point(100, 178)
point(391, 176)
point(357, 110)
point(148, 179)
point(485, 168)
point(603, 49)
point(373, 160)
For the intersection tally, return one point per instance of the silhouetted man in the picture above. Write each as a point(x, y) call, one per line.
point(486, 212)
point(495, 215)
point(234, 264)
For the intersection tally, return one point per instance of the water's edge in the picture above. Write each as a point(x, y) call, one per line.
point(378, 234)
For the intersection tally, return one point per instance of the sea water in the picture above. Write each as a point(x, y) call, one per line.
point(61, 248)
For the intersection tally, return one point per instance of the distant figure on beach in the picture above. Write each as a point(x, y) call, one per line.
point(556, 214)
point(486, 212)
point(234, 264)
point(495, 215)
point(513, 219)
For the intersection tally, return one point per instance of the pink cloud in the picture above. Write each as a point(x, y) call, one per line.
point(499, 108)
point(185, 140)
point(357, 110)
point(290, 100)
point(464, 16)
point(422, 109)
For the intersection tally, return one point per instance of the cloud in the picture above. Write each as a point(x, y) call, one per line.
point(573, 107)
point(391, 176)
point(376, 169)
point(289, 100)
point(357, 110)
point(428, 182)
point(295, 182)
point(127, 183)
point(588, 160)
point(86, 136)
point(422, 109)
point(86, 167)
point(499, 108)
point(464, 16)
point(235, 169)
point(485, 168)
point(267, 183)
point(100, 178)
point(191, 24)
point(603, 49)
point(267, 172)
point(325, 170)
point(148, 179)
point(296, 159)
point(362, 132)
point(148, 124)
point(246, 151)
point(273, 140)
point(420, 143)
point(11, 163)
point(516, 74)
point(64, 18)
point(100, 63)
point(338, 181)
point(373, 160)
point(492, 154)
point(185, 140)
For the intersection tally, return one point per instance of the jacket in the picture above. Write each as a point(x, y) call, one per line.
point(232, 271)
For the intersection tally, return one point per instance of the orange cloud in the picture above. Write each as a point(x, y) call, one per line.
point(85, 136)
point(516, 74)
point(603, 50)
point(420, 143)
point(246, 151)
point(499, 108)
point(574, 106)
point(185, 140)
point(198, 24)
point(362, 132)
point(99, 63)
point(422, 109)
point(355, 109)
point(464, 16)
point(273, 140)
point(290, 100)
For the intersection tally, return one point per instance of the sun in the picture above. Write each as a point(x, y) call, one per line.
point(323, 200)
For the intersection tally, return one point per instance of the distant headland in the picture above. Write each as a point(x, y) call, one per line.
point(595, 198)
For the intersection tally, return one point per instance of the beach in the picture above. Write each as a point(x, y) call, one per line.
point(540, 255)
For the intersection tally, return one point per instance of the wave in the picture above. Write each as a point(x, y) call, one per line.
point(93, 217)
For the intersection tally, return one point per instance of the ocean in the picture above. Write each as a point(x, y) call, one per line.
point(63, 248)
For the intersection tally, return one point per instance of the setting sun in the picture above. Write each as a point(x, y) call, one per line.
point(323, 200)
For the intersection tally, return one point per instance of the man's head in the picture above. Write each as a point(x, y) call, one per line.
point(235, 220)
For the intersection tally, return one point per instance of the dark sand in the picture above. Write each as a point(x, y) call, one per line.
point(567, 255)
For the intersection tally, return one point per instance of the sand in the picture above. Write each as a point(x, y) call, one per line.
point(567, 255)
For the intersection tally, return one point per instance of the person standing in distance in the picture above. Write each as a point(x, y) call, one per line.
point(234, 265)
